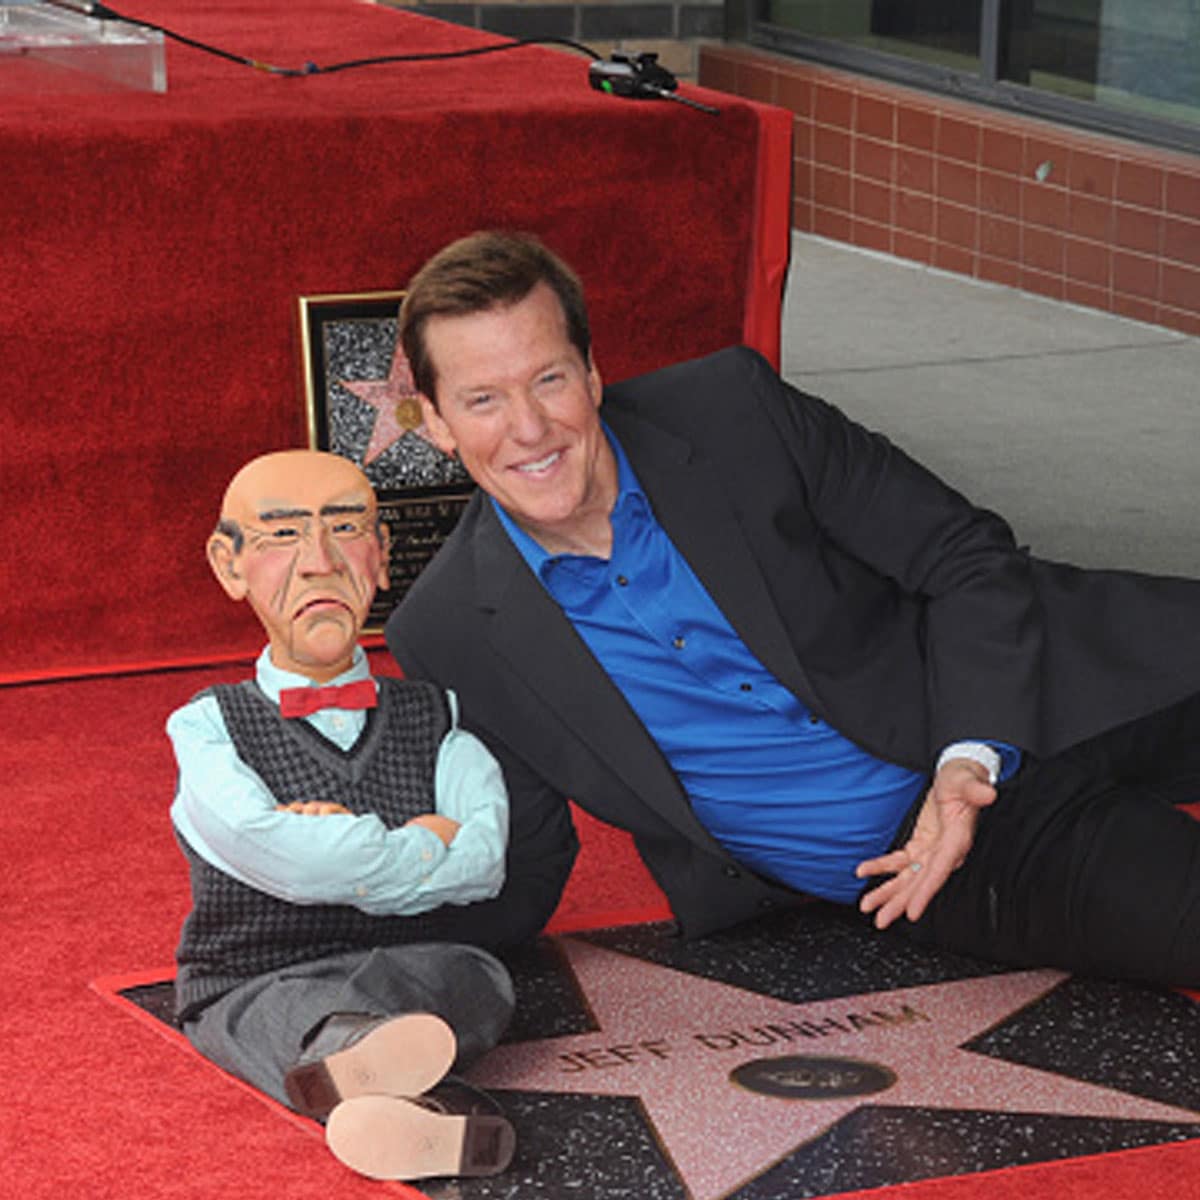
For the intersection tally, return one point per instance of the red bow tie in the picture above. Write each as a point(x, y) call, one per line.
point(304, 701)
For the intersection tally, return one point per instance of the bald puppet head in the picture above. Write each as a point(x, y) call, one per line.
point(299, 537)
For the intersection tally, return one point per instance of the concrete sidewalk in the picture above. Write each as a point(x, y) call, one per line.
point(1083, 429)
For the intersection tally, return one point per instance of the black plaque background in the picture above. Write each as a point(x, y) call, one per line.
point(422, 492)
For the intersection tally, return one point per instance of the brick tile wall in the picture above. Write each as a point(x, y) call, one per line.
point(1094, 220)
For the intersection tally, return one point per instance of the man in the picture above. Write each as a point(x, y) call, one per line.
point(789, 660)
point(347, 845)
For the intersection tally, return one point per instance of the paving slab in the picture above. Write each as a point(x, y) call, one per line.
point(1083, 429)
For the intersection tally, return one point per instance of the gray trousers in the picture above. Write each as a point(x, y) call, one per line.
point(257, 1031)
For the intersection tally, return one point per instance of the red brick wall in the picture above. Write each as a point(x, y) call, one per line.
point(1095, 220)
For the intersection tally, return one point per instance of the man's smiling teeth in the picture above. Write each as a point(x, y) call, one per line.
point(541, 464)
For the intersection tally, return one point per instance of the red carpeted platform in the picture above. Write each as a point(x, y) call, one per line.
point(153, 248)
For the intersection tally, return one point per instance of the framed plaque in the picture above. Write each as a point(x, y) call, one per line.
point(361, 403)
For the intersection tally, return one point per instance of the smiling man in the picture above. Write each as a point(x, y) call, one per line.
point(517, 403)
point(787, 658)
point(347, 847)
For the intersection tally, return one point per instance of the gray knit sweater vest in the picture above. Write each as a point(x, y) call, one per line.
point(235, 932)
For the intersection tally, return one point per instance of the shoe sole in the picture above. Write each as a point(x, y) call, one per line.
point(402, 1057)
point(386, 1137)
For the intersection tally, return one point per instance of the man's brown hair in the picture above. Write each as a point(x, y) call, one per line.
point(479, 272)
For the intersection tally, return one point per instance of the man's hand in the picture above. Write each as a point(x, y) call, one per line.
point(313, 808)
point(444, 827)
point(940, 842)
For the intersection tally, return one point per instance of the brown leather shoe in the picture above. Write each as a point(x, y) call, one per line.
point(454, 1129)
point(354, 1055)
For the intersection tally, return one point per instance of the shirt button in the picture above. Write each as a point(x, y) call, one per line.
point(746, 687)
point(622, 581)
point(814, 720)
point(339, 723)
point(360, 890)
point(679, 641)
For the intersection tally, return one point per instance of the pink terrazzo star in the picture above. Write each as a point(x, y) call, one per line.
point(673, 1039)
point(394, 399)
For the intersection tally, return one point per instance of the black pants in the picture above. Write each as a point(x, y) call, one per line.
point(1085, 863)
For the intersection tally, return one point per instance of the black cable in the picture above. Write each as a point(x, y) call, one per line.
point(635, 76)
point(434, 56)
point(101, 12)
point(663, 94)
point(93, 8)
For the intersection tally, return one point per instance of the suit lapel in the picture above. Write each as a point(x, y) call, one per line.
point(692, 504)
point(574, 688)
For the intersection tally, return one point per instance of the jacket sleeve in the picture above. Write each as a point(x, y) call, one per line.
point(980, 624)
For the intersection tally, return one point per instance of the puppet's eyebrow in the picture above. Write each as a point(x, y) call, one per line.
point(284, 514)
point(337, 510)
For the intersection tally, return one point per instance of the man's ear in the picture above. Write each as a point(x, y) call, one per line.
point(223, 560)
point(439, 431)
point(383, 581)
point(595, 383)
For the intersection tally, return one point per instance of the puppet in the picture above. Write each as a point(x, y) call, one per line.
point(341, 830)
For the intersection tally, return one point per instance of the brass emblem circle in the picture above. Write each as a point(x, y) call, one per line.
point(408, 412)
point(793, 1077)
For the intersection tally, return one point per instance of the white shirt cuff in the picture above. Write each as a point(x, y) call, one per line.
point(979, 752)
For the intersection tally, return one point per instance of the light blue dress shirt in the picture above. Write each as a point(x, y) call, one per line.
point(225, 812)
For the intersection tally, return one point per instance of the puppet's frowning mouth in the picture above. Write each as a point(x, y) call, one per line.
point(317, 603)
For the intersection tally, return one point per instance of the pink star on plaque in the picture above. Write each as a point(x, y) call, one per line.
point(397, 408)
point(707, 1059)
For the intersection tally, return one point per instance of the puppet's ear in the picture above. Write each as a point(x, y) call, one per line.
point(223, 559)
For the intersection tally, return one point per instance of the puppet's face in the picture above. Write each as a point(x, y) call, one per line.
point(310, 556)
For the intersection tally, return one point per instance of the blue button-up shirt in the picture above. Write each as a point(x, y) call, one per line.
point(781, 790)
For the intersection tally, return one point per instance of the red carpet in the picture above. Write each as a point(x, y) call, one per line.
point(94, 1103)
point(154, 248)
point(98, 1104)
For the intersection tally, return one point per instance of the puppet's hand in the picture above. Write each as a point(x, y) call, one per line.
point(313, 808)
point(444, 827)
point(940, 842)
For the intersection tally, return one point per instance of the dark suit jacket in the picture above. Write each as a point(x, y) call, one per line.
point(892, 607)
